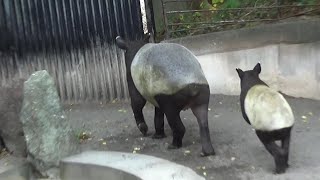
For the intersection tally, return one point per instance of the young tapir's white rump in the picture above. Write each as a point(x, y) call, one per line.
point(164, 68)
point(267, 109)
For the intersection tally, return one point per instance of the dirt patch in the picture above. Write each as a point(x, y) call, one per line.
point(240, 155)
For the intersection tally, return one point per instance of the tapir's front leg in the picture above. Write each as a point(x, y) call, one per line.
point(2, 144)
point(137, 104)
point(159, 124)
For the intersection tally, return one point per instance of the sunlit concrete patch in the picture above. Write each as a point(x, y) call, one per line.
point(125, 166)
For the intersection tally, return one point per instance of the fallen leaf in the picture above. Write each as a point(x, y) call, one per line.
point(187, 152)
point(104, 143)
point(136, 149)
point(303, 117)
point(233, 158)
point(203, 167)
point(127, 139)
point(122, 110)
point(209, 109)
point(204, 173)
point(220, 102)
point(310, 113)
point(134, 152)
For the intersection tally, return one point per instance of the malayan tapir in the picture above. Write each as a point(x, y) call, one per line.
point(169, 76)
point(269, 113)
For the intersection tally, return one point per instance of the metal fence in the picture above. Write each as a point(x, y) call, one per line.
point(216, 19)
point(73, 40)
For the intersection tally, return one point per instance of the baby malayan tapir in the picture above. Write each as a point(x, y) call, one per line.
point(169, 76)
point(269, 114)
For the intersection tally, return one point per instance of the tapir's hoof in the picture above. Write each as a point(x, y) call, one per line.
point(280, 170)
point(143, 128)
point(172, 146)
point(158, 136)
point(204, 154)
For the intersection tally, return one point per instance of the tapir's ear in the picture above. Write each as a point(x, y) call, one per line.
point(146, 37)
point(240, 73)
point(121, 43)
point(257, 68)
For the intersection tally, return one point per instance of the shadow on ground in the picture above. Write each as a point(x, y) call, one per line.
point(240, 155)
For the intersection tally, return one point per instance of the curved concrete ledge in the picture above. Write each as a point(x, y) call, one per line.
point(288, 32)
point(288, 52)
point(123, 166)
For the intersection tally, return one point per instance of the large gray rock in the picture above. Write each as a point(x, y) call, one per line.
point(11, 133)
point(48, 134)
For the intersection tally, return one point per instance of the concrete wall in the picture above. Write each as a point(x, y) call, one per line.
point(289, 53)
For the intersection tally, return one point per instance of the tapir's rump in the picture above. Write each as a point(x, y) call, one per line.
point(164, 68)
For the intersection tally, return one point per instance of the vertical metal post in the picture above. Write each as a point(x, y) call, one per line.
point(279, 3)
point(150, 18)
point(167, 33)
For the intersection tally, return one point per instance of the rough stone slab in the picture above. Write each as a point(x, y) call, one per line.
point(118, 165)
point(49, 136)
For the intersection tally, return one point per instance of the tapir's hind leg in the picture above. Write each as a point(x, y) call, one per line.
point(171, 105)
point(285, 144)
point(277, 152)
point(137, 104)
point(158, 123)
point(200, 110)
point(175, 123)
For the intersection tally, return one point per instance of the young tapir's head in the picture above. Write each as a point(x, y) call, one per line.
point(131, 47)
point(250, 78)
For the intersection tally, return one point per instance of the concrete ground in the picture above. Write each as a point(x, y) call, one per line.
point(239, 153)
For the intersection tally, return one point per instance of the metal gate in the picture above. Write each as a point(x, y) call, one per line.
point(73, 40)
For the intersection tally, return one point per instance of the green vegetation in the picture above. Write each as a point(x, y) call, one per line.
point(214, 19)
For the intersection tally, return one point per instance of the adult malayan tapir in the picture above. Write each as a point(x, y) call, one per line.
point(269, 114)
point(169, 76)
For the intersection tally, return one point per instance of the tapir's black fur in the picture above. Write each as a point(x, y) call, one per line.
point(170, 105)
point(280, 154)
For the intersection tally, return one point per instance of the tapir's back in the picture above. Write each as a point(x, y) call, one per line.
point(267, 110)
point(165, 68)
